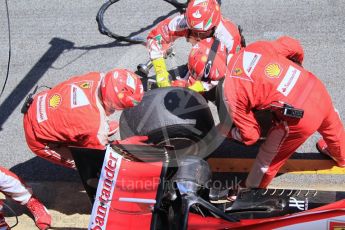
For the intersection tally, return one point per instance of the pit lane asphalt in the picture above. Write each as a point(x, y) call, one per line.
point(52, 40)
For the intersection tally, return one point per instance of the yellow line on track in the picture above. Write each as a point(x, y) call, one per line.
point(292, 166)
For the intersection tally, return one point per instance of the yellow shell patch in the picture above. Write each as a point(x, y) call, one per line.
point(204, 58)
point(120, 95)
point(55, 101)
point(272, 70)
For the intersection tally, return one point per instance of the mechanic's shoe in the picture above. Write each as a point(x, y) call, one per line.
point(3, 224)
point(40, 213)
point(321, 146)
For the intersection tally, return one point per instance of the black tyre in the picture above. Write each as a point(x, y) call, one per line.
point(171, 116)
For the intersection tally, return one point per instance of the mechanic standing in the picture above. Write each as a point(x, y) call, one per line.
point(11, 185)
point(267, 75)
point(202, 19)
point(75, 113)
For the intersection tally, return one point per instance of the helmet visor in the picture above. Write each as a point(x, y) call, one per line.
point(199, 35)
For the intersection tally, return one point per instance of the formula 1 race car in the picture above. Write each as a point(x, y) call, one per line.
point(169, 184)
point(152, 193)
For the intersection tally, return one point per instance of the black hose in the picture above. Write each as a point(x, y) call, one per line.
point(14, 213)
point(9, 49)
point(180, 6)
point(104, 30)
point(130, 39)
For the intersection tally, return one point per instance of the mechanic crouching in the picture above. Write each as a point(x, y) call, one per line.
point(75, 113)
point(267, 75)
point(202, 19)
point(14, 187)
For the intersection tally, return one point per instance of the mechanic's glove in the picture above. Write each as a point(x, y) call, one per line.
point(134, 140)
point(179, 83)
point(197, 87)
point(162, 75)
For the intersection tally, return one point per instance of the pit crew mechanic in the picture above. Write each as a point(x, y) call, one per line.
point(202, 19)
point(269, 75)
point(75, 113)
point(14, 187)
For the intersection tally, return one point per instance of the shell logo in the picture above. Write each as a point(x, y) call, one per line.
point(272, 70)
point(120, 95)
point(204, 58)
point(55, 101)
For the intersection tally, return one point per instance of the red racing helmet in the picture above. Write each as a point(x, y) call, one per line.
point(121, 89)
point(202, 15)
point(208, 60)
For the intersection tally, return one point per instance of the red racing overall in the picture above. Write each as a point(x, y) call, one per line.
point(70, 114)
point(161, 38)
point(262, 75)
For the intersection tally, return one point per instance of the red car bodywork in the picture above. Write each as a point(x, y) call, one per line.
point(127, 192)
